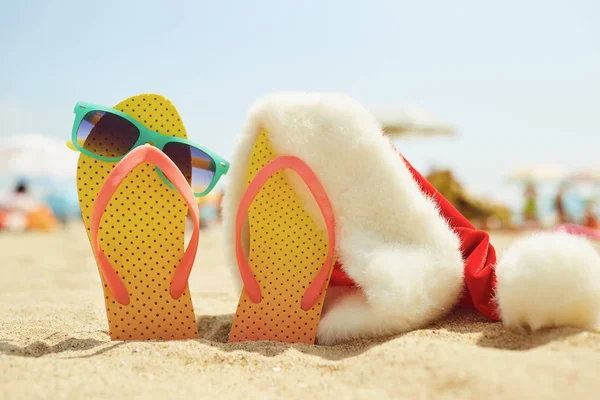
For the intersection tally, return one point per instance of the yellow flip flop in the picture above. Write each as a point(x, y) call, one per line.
point(142, 234)
point(290, 260)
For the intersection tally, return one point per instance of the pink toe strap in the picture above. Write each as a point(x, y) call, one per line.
point(312, 181)
point(137, 156)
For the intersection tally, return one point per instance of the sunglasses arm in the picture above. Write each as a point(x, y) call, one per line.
point(70, 146)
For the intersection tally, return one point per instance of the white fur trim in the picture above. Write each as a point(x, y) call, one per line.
point(391, 238)
point(550, 279)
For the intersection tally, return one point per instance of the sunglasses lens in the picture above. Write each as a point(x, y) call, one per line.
point(197, 166)
point(106, 134)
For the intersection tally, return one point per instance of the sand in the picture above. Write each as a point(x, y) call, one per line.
point(54, 344)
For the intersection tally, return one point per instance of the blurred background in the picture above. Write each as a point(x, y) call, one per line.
point(497, 103)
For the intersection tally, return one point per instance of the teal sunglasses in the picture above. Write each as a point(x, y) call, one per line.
point(106, 134)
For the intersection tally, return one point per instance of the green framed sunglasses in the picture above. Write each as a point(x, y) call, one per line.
point(106, 134)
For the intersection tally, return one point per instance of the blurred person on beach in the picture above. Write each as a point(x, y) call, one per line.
point(220, 205)
point(15, 207)
point(530, 216)
point(591, 220)
point(559, 205)
point(20, 200)
point(20, 211)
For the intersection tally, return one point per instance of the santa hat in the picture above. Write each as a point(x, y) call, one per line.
point(406, 255)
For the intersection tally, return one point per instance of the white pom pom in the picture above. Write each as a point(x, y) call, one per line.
point(549, 279)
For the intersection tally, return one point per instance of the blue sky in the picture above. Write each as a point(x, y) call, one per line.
point(521, 79)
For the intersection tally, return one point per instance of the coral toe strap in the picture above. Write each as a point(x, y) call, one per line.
point(139, 155)
point(312, 181)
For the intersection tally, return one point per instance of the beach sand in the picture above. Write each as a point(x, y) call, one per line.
point(54, 344)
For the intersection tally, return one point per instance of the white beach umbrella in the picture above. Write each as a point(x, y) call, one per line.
point(402, 121)
point(590, 174)
point(36, 156)
point(537, 173)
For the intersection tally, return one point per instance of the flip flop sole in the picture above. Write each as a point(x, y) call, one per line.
point(286, 252)
point(142, 234)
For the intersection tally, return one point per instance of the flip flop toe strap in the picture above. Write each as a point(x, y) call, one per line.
point(140, 155)
point(312, 182)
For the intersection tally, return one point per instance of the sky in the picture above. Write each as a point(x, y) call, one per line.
point(520, 79)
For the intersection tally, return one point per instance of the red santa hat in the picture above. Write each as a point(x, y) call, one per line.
point(406, 255)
